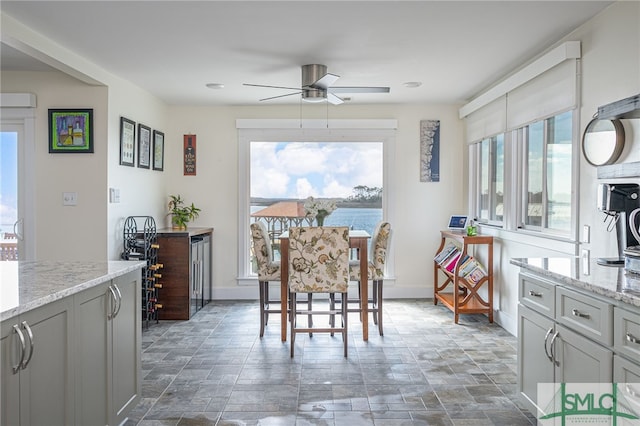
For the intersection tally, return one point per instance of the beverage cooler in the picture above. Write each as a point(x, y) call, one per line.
point(200, 254)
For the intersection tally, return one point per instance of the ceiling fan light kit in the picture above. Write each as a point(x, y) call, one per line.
point(317, 86)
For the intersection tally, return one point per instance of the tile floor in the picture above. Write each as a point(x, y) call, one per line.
point(215, 370)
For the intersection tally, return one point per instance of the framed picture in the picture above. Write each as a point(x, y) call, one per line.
point(127, 142)
point(144, 146)
point(158, 150)
point(70, 131)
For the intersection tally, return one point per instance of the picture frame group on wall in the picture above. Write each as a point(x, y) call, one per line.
point(148, 143)
point(70, 131)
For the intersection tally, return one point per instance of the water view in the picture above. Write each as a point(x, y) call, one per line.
point(355, 218)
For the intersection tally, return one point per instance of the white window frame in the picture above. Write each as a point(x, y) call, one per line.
point(521, 152)
point(19, 114)
point(267, 130)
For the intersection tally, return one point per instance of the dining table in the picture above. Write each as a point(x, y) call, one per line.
point(359, 240)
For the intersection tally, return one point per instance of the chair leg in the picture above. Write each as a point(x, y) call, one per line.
point(261, 286)
point(292, 320)
point(379, 306)
point(332, 307)
point(374, 297)
point(345, 316)
point(310, 317)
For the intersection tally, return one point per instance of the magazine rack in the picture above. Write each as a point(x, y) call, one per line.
point(463, 297)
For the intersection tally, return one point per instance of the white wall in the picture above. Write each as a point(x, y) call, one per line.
point(65, 232)
point(610, 72)
point(142, 191)
point(421, 208)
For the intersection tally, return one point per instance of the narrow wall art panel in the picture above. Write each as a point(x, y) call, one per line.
point(429, 150)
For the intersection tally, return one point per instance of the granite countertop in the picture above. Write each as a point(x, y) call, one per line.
point(608, 281)
point(29, 285)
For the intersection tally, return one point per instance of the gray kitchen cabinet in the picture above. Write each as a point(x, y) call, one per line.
point(551, 352)
point(37, 366)
point(108, 329)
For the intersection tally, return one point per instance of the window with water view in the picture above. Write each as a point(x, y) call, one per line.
point(285, 174)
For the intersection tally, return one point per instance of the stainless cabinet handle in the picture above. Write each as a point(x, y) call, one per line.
point(546, 336)
point(577, 313)
point(114, 298)
point(534, 294)
point(23, 349)
point(552, 345)
point(31, 343)
point(631, 338)
point(631, 391)
point(118, 301)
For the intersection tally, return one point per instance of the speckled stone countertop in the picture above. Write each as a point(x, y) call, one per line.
point(28, 285)
point(608, 281)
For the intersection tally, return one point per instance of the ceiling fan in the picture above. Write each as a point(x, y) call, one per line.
point(317, 86)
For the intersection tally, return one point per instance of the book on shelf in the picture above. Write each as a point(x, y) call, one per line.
point(451, 263)
point(467, 266)
point(445, 253)
point(476, 275)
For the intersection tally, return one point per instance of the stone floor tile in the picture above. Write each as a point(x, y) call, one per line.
point(215, 370)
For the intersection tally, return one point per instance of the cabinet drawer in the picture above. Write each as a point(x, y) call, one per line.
point(626, 340)
point(585, 314)
point(537, 294)
point(627, 375)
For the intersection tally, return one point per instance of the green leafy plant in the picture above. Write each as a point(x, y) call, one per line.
point(181, 214)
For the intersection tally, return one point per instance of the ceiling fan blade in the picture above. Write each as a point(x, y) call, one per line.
point(280, 96)
point(333, 99)
point(325, 81)
point(273, 87)
point(360, 89)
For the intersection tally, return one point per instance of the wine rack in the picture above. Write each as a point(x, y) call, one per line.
point(141, 243)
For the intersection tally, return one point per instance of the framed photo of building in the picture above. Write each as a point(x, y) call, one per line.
point(144, 146)
point(70, 131)
point(127, 142)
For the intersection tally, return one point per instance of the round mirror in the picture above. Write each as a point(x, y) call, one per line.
point(603, 141)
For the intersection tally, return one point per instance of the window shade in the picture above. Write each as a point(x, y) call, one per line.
point(548, 94)
point(487, 121)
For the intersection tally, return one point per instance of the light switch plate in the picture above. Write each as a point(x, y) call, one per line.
point(586, 234)
point(69, 198)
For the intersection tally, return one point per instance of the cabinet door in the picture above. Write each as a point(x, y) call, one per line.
point(10, 350)
point(580, 360)
point(93, 355)
point(127, 343)
point(534, 332)
point(47, 382)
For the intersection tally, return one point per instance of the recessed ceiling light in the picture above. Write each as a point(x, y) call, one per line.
point(412, 84)
point(215, 86)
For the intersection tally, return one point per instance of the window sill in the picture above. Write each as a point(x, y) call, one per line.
point(537, 239)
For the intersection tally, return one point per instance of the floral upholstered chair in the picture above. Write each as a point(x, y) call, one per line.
point(377, 260)
point(268, 270)
point(318, 263)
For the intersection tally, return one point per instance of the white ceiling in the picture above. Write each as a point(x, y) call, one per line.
point(174, 48)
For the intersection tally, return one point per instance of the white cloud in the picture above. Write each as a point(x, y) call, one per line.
point(298, 169)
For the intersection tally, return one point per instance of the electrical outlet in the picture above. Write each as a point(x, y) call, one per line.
point(69, 198)
point(586, 234)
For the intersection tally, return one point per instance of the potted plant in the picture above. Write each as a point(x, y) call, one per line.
point(181, 214)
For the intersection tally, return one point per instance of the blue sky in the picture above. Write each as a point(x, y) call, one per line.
point(8, 178)
point(303, 169)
